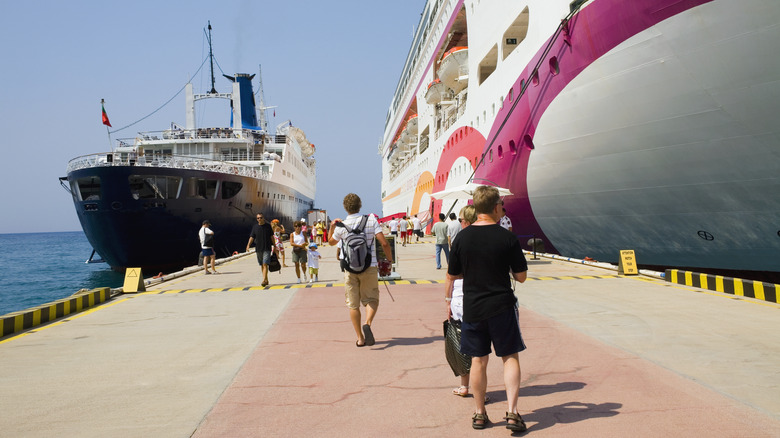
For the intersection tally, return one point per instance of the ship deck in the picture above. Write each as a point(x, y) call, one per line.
point(219, 355)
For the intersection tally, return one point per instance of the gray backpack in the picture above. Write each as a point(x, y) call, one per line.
point(355, 248)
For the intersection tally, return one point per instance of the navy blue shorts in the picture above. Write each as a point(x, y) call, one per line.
point(263, 257)
point(503, 330)
point(207, 252)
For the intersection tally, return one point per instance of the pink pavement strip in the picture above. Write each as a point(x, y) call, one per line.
point(307, 378)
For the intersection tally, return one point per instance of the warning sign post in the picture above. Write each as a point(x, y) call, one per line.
point(627, 265)
point(134, 281)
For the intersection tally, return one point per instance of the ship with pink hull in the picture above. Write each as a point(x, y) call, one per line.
point(646, 124)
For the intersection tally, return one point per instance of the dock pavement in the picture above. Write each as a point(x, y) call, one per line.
point(221, 356)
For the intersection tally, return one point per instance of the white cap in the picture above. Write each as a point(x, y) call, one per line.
point(303, 219)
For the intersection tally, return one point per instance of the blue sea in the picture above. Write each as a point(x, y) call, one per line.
point(38, 268)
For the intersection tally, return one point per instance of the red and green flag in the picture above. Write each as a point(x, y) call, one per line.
point(105, 116)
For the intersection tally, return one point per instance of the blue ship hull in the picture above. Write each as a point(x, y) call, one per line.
point(161, 233)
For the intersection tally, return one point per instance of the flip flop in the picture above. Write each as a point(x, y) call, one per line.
point(358, 345)
point(369, 336)
point(459, 391)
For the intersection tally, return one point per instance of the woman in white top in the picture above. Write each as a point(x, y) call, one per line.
point(467, 216)
point(207, 247)
point(299, 244)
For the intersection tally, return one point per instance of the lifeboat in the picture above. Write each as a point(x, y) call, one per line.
point(453, 69)
point(435, 92)
point(401, 144)
point(409, 132)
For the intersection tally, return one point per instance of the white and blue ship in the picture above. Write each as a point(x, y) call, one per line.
point(142, 203)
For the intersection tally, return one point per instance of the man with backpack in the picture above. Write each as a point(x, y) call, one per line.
point(357, 236)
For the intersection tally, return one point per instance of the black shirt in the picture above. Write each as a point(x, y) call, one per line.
point(484, 255)
point(263, 236)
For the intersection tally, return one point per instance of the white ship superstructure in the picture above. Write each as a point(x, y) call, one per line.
point(645, 125)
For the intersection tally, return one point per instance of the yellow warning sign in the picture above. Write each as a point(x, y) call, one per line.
point(134, 281)
point(627, 265)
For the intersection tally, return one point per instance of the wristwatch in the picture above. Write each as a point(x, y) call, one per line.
point(447, 299)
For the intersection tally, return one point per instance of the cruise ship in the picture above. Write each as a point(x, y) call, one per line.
point(645, 124)
point(142, 203)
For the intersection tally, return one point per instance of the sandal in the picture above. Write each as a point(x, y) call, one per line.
point(358, 344)
point(480, 417)
point(368, 335)
point(461, 391)
point(518, 425)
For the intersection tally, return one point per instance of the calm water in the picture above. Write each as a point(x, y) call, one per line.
point(42, 267)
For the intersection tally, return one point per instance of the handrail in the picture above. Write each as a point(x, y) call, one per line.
point(169, 161)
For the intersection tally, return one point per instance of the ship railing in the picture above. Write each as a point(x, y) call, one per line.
point(198, 133)
point(109, 159)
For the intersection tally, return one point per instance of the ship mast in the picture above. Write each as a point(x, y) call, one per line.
point(261, 97)
point(263, 120)
point(211, 58)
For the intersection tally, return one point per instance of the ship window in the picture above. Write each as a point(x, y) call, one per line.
point(488, 64)
point(515, 34)
point(89, 188)
point(500, 151)
point(512, 147)
point(198, 188)
point(154, 186)
point(554, 67)
point(230, 189)
point(528, 142)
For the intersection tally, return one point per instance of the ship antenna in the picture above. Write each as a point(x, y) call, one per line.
point(211, 58)
point(261, 95)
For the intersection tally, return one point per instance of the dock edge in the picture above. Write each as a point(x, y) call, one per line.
point(734, 286)
point(19, 321)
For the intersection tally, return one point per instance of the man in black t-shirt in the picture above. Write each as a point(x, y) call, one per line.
point(483, 255)
point(263, 237)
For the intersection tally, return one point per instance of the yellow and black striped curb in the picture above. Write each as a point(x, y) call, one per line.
point(320, 285)
point(733, 286)
point(26, 319)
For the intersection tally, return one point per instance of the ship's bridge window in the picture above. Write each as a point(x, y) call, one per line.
point(198, 188)
point(154, 186)
point(88, 188)
point(230, 189)
point(515, 34)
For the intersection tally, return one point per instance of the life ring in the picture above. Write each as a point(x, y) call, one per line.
point(235, 170)
point(235, 252)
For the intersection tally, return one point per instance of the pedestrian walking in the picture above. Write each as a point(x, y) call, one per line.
point(483, 255)
point(263, 237)
point(358, 234)
point(439, 230)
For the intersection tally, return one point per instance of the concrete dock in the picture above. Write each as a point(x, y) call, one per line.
point(220, 356)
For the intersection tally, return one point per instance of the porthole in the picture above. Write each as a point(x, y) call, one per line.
point(528, 142)
point(511, 94)
point(554, 67)
point(535, 78)
point(500, 151)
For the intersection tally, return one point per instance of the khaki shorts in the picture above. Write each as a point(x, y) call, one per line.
point(361, 288)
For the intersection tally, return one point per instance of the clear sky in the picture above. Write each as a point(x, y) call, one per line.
point(330, 67)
